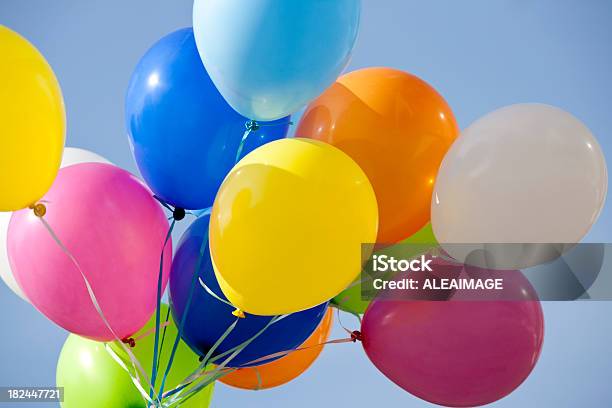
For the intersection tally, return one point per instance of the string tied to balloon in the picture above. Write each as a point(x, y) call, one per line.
point(137, 374)
point(252, 126)
point(177, 215)
point(356, 336)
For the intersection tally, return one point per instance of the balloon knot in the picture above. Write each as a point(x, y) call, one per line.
point(201, 358)
point(129, 341)
point(39, 209)
point(178, 214)
point(251, 125)
point(356, 336)
point(239, 314)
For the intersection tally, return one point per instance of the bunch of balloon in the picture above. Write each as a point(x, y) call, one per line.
point(95, 375)
point(287, 368)
point(72, 155)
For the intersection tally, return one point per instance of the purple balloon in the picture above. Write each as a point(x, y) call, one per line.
point(459, 353)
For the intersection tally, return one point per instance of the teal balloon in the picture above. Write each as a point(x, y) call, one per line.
point(269, 58)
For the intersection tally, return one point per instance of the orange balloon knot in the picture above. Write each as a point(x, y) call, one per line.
point(129, 341)
point(356, 336)
point(252, 126)
point(39, 209)
point(239, 313)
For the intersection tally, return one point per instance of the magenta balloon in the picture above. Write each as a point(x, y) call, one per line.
point(457, 353)
point(115, 229)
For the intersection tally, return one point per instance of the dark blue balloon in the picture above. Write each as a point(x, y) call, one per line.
point(184, 135)
point(208, 318)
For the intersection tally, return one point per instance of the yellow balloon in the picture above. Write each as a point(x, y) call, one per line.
point(287, 226)
point(32, 123)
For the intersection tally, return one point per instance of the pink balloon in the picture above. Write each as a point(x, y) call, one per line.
point(115, 229)
point(457, 353)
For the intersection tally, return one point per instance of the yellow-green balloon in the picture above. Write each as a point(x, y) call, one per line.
point(92, 378)
point(350, 299)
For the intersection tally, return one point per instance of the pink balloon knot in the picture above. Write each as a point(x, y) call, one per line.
point(130, 341)
point(356, 336)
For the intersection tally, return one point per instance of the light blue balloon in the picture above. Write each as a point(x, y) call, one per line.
point(269, 58)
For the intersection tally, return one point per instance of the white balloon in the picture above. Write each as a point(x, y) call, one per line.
point(527, 173)
point(5, 268)
point(72, 155)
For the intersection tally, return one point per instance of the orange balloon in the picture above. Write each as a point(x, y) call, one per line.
point(398, 129)
point(285, 369)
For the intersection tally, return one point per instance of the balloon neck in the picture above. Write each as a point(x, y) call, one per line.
point(129, 341)
point(356, 336)
point(239, 314)
point(252, 126)
point(39, 209)
point(178, 214)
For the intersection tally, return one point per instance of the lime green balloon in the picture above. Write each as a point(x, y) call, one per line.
point(92, 378)
point(350, 299)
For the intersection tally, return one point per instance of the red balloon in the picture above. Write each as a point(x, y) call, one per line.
point(459, 353)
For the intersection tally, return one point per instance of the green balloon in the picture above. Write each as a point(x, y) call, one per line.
point(92, 378)
point(350, 299)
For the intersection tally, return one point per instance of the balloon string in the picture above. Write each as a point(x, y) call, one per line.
point(163, 203)
point(220, 371)
point(158, 309)
point(219, 341)
point(150, 332)
point(341, 324)
point(250, 127)
point(135, 380)
point(181, 327)
point(134, 361)
point(161, 347)
point(354, 337)
point(204, 361)
point(201, 370)
point(213, 294)
point(233, 352)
